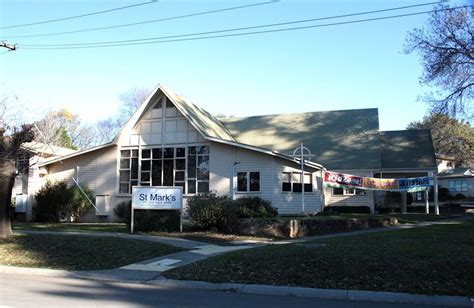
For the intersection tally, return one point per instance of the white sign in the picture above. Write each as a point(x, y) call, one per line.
point(157, 198)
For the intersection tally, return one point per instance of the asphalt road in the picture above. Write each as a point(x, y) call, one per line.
point(37, 291)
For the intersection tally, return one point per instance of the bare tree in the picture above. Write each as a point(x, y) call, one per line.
point(107, 129)
point(447, 51)
point(130, 101)
point(11, 137)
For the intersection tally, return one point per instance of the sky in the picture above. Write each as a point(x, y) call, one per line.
point(349, 66)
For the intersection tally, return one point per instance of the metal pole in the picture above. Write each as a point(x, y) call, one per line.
point(427, 202)
point(181, 213)
point(302, 176)
point(435, 183)
point(131, 221)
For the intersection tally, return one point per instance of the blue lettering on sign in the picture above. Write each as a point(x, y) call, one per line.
point(161, 198)
point(142, 197)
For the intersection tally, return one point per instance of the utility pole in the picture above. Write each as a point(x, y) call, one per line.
point(10, 47)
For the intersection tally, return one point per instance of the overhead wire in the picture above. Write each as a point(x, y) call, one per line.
point(146, 22)
point(80, 16)
point(178, 38)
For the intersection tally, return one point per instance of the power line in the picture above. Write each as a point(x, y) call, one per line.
point(80, 16)
point(147, 21)
point(238, 29)
point(178, 38)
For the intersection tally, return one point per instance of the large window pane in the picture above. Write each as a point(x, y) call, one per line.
point(146, 165)
point(167, 173)
point(180, 152)
point(191, 166)
point(146, 153)
point(180, 164)
point(179, 176)
point(125, 153)
point(134, 174)
point(168, 153)
point(124, 188)
point(241, 181)
point(125, 163)
point(203, 187)
point(156, 173)
point(124, 176)
point(157, 153)
point(145, 177)
point(191, 186)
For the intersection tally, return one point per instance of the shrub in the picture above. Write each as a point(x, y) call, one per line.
point(459, 197)
point(213, 212)
point(148, 220)
point(255, 207)
point(56, 198)
point(122, 211)
point(79, 203)
point(51, 200)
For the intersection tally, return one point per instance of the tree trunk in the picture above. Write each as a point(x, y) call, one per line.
point(7, 180)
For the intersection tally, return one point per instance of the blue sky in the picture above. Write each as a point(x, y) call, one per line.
point(351, 66)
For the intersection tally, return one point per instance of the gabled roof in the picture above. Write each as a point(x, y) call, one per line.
point(46, 150)
point(340, 140)
point(205, 123)
point(456, 173)
point(407, 149)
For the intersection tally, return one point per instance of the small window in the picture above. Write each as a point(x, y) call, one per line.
point(337, 191)
point(291, 182)
point(248, 181)
point(254, 184)
point(242, 181)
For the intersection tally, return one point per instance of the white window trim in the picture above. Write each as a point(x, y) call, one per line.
point(291, 183)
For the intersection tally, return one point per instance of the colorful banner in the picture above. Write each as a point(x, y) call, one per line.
point(334, 179)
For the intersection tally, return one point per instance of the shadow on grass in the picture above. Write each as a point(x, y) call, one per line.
point(77, 252)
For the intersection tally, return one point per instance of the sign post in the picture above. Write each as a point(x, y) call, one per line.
point(157, 198)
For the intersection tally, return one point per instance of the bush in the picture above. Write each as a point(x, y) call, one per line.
point(53, 199)
point(255, 207)
point(213, 212)
point(459, 197)
point(148, 220)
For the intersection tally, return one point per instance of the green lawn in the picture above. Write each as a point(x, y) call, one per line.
point(77, 252)
point(72, 227)
point(430, 260)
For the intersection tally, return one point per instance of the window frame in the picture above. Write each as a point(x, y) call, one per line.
point(292, 186)
point(202, 154)
point(459, 186)
point(248, 181)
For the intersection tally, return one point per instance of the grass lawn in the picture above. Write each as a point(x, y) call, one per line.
point(430, 260)
point(77, 252)
point(72, 227)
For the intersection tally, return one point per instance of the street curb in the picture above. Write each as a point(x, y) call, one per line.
point(354, 295)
